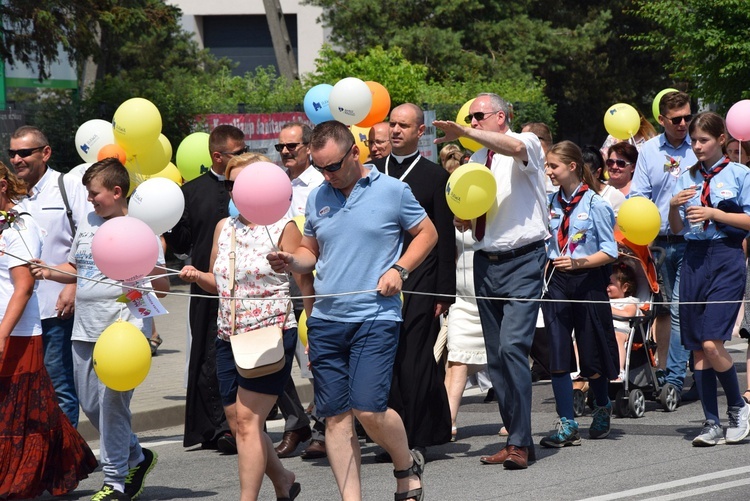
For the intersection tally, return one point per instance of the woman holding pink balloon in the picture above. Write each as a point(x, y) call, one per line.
point(239, 268)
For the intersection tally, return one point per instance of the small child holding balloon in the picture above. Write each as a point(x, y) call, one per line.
point(580, 251)
point(124, 462)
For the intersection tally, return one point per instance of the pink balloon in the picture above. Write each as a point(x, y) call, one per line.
point(125, 248)
point(738, 120)
point(262, 192)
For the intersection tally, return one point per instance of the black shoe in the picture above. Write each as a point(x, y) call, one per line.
point(136, 479)
point(383, 457)
point(490, 395)
point(226, 444)
point(274, 414)
point(690, 396)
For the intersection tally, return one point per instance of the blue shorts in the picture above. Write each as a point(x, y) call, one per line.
point(352, 364)
point(230, 379)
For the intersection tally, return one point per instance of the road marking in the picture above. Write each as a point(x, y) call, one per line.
point(177, 439)
point(702, 490)
point(671, 485)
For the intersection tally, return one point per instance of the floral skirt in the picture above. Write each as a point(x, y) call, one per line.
point(39, 448)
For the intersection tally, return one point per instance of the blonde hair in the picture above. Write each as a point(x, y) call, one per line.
point(244, 160)
point(450, 157)
point(16, 188)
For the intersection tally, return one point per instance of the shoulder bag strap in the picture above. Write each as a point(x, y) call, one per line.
point(61, 184)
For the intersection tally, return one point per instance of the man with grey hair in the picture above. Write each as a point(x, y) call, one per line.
point(508, 262)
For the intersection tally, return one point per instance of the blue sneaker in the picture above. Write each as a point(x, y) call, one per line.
point(600, 425)
point(566, 433)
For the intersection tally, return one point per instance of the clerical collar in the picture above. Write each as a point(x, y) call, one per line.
point(401, 159)
point(217, 175)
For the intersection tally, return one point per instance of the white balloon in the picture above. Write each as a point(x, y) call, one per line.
point(158, 202)
point(350, 101)
point(79, 170)
point(91, 136)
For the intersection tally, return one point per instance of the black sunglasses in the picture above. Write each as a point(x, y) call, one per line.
point(228, 185)
point(291, 147)
point(620, 163)
point(23, 152)
point(678, 120)
point(335, 166)
point(235, 153)
point(479, 115)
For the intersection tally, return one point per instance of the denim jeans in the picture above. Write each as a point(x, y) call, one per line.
point(58, 359)
point(678, 356)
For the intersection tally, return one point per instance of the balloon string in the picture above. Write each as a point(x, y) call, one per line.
point(276, 248)
point(463, 257)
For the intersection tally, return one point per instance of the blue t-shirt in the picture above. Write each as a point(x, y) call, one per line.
point(591, 227)
point(359, 239)
point(656, 171)
point(731, 184)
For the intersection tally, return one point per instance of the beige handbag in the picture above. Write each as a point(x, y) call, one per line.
point(256, 352)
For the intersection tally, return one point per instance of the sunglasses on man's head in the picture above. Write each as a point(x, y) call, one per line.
point(619, 163)
point(678, 120)
point(290, 147)
point(479, 116)
point(335, 166)
point(23, 152)
point(241, 151)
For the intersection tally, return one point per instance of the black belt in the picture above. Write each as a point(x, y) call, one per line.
point(504, 256)
point(670, 239)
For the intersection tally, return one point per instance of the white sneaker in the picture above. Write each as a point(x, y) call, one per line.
point(739, 427)
point(711, 434)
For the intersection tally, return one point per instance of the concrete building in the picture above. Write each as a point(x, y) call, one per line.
point(239, 31)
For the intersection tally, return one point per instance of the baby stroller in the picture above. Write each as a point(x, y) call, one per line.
point(642, 378)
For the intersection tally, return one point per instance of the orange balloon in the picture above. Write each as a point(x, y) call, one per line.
point(112, 151)
point(381, 105)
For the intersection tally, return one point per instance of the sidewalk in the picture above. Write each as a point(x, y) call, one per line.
point(159, 402)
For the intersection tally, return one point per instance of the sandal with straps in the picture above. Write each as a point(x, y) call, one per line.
point(746, 396)
point(416, 468)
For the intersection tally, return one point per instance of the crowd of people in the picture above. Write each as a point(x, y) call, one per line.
point(436, 300)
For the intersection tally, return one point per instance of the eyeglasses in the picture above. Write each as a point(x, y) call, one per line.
point(335, 166)
point(24, 152)
point(619, 163)
point(228, 185)
point(377, 142)
point(290, 147)
point(479, 115)
point(235, 153)
point(678, 120)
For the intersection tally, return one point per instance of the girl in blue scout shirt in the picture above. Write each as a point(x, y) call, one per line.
point(581, 247)
point(711, 207)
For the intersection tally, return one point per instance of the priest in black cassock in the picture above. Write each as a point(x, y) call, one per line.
point(206, 203)
point(418, 390)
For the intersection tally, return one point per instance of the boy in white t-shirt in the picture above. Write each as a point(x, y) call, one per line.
point(124, 462)
point(621, 289)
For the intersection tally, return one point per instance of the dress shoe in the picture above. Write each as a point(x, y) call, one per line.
point(518, 458)
point(490, 396)
point(500, 457)
point(291, 440)
point(316, 450)
point(227, 444)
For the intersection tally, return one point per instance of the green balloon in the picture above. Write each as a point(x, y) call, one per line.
point(194, 156)
point(657, 100)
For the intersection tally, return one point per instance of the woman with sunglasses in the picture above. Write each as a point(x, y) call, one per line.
point(621, 159)
point(247, 402)
point(712, 202)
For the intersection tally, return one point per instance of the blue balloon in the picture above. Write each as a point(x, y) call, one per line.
point(316, 103)
point(233, 210)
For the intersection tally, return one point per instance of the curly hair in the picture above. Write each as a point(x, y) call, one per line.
point(626, 276)
point(16, 188)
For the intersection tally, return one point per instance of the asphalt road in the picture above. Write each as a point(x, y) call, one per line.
point(646, 458)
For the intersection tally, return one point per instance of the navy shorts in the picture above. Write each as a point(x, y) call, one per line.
point(352, 364)
point(270, 384)
point(712, 270)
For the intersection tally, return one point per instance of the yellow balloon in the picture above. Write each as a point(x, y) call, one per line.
point(622, 121)
point(169, 172)
point(657, 100)
point(136, 125)
point(471, 190)
point(360, 136)
point(148, 162)
point(302, 328)
point(469, 144)
point(122, 356)
point(167, 146)
point(639, 220)
point(300, 222)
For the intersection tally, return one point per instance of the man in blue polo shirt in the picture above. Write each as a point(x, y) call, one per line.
point(353, 237)
point(661, 161)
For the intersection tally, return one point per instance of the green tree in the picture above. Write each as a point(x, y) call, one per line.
point(707, 41)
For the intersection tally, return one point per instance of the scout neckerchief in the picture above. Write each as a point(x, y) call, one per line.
point(706, 191)
point(567, 208)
